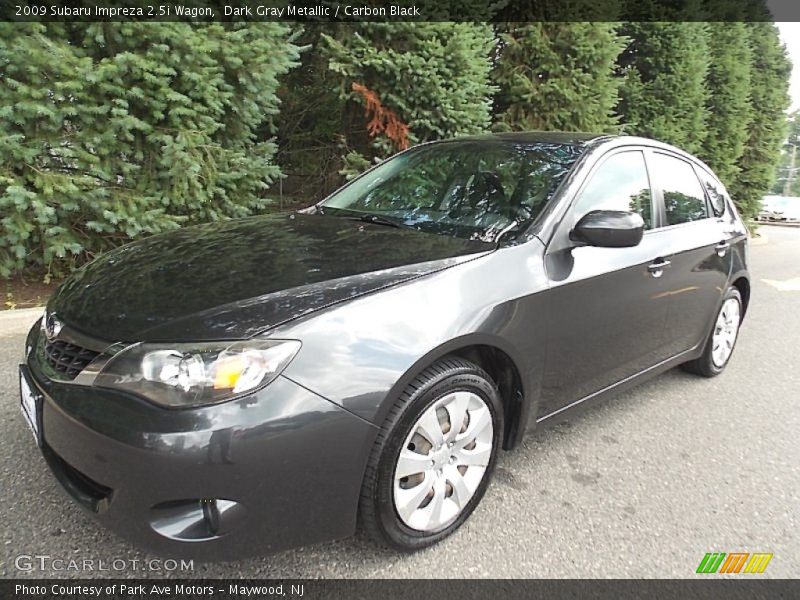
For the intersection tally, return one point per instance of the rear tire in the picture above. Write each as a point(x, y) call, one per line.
point(722, 339)
point(418, 490)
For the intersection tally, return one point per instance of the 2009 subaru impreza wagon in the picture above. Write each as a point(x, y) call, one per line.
point(247, 386)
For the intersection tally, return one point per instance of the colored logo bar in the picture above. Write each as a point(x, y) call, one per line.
point(734, 562)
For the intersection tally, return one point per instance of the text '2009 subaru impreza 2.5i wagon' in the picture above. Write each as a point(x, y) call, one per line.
point(251, 385)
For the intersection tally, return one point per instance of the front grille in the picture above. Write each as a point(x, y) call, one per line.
point(67, 358)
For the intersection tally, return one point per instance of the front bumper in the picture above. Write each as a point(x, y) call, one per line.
point(284, 467)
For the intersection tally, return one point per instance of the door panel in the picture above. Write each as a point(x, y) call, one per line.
point(608, 310)
point(697, 248)
point(700, 275)
point(608, 314)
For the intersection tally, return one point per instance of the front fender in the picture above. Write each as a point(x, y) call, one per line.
point(360, 353)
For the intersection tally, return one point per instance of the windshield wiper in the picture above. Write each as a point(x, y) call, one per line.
point(355, 215)
point(376, 219)
point(508, 228)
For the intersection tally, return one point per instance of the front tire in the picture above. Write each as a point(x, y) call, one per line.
point(434, 456)
point(722, 339)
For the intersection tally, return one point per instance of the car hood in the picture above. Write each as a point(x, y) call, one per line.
point(234, 279)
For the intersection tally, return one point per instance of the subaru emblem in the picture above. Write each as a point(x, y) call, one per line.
point(52, 326)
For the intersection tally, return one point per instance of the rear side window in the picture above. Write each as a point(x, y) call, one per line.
point(684, 200)
point(716, 193)
point(620, 183)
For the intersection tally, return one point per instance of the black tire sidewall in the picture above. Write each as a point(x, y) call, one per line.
point(393, 528)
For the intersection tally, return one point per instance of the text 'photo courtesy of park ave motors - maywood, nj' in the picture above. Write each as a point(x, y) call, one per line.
point(288, 11)
point(70, 590)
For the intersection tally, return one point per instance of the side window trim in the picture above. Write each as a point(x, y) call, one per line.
point(560, 237)
point(656, 193)
point(599, 163)
point(658, 190)
point(706, 194)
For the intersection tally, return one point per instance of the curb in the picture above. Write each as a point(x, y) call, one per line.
point(17, 321)
point(779, 224)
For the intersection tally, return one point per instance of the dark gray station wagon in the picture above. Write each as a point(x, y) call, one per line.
point(247, 386)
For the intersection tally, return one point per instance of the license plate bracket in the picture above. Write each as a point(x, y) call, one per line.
point(31, 404)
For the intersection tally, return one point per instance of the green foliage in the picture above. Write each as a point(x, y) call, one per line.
point(729, 110)
point(310, 128)
point(769, 79)
point(663, 93)
point(113, 131)
point(110, 131)
point(353, 164)
point(434, 76)
point(557, 76)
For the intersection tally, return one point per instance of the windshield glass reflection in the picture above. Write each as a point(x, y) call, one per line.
point(470, 189)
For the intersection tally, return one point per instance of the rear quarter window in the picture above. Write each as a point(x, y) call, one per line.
point(716, 193)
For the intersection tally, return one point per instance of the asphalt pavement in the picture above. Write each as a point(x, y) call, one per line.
point(640, 486)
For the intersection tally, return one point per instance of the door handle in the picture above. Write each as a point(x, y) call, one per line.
point(722, 248)
point(657, 268)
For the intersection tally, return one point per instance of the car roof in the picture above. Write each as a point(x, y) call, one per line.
point(567, 137)
point(533, 137)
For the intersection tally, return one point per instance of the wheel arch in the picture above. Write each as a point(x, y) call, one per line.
point(742, 283)
point(500, 361)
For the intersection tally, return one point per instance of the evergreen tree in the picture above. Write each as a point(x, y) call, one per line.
point(557, 76)
point(311, 123)
point(109, 131)
point(769, 81)
point(729, 110)
point(434, 77)
point(663, 93)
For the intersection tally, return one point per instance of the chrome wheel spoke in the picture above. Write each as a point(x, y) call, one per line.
point(430, 428)
point(478, 421)
point(461, 492)
point(411, 463)
point(408, 501)
point(432, 513)
point(457, 411)
point(479, 456)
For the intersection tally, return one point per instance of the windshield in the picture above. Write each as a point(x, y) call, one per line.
point(470, 189)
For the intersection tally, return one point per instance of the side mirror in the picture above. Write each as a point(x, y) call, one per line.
point(609, 229)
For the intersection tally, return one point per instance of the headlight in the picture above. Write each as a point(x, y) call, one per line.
point(182, 375)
